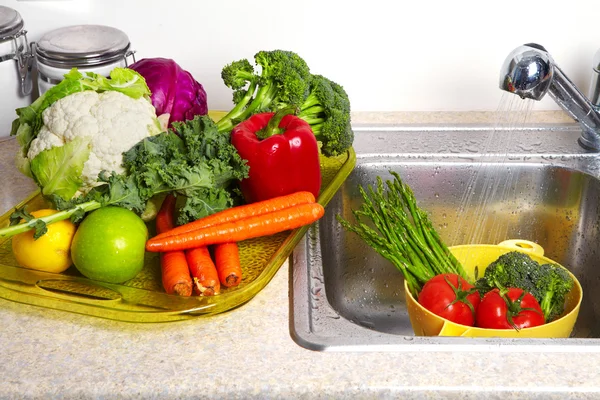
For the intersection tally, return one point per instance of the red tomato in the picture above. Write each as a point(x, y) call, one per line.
point(516, 310)
point(444, 296)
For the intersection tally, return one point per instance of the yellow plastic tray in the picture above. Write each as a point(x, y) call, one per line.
point(425, 323)
point(143, 298)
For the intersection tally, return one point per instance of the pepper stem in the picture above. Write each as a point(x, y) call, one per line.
point(272, 127)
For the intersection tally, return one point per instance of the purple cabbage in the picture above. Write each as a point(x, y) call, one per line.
point(174, 90)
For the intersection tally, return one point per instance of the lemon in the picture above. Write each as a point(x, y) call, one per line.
point(110, 245)
point(51, 251)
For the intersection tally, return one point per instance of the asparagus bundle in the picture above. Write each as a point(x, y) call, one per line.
point(402, 233)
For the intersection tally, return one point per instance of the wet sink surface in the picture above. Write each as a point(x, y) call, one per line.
point(539, 185)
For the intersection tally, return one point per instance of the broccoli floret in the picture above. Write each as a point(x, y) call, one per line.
point(327, 110)
point(552, 285)
point(510, 270)
point(548, 283)
point(284, 80)
point(237, 74)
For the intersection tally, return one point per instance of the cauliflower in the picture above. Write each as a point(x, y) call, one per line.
point(110, 122)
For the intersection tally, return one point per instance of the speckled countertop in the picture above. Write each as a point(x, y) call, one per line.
point(248, 352)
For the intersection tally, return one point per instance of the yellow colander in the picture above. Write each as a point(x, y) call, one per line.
point(479, 256)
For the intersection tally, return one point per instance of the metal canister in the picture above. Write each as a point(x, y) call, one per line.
point(93, 48)
point(15, 67)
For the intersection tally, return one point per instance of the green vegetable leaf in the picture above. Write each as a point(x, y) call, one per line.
point(58, 169)
point(123, 192)
point(117, 190)
point(127, 81)
point(18, 215)
point(40, 229)
point(203, 202)
point(24, 138)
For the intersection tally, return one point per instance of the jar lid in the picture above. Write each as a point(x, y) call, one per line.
point(10, 22)
point(82, 45)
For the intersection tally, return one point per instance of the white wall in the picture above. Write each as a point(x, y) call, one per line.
point(389, 55)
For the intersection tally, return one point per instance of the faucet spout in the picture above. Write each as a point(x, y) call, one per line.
point(530, 72)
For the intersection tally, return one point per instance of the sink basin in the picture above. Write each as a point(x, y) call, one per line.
point(533, 183)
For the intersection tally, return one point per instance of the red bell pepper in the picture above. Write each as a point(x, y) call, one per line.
point(282, 153)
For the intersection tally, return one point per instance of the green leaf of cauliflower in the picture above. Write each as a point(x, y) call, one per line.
point(58, 170)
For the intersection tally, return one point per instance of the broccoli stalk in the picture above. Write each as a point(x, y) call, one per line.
point(285, 81)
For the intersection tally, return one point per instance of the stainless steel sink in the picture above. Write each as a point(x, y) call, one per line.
point(546, 189)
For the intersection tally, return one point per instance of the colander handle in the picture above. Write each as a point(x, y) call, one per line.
point(524, 246)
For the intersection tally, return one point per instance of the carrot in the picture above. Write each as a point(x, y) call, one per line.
point(174, 280)
point(204, 271)
point(174, 269)
point(227, 261)
point(165, 218)
point(242, 212)
point(252, 227)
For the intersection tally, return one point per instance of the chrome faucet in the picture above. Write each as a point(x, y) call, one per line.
point(529, 71)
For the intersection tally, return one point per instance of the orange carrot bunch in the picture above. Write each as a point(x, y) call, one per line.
point(222, 231)
point(183, 270)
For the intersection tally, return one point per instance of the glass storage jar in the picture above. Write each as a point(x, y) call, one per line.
point(15, 67)
point(89, 48)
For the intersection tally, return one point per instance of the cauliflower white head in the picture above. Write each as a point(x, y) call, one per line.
point(112, 123)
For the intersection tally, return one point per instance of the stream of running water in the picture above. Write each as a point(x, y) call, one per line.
point(480, 216)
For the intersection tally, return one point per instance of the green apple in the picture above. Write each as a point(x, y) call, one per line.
point(109, 245)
